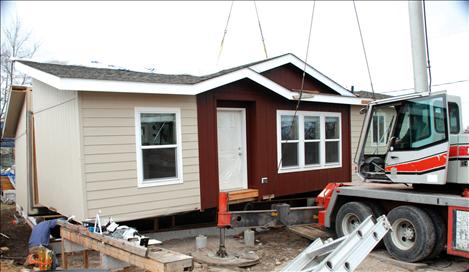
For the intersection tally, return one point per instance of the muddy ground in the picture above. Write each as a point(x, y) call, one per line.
point(15, 245)
point(274, 247)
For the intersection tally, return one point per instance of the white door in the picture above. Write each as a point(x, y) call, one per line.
point(232, 157)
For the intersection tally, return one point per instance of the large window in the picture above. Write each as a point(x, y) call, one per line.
point(308, 140)
point(158, 140)
point(415, 128)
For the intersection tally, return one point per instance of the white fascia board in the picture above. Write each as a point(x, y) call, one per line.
point(47, 78)
point(289, 58)
point(337, 100)
point(95, 85)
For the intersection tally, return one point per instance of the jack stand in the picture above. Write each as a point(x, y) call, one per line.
point(221, 249)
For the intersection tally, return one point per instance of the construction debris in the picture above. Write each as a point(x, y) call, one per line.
point(119, 252)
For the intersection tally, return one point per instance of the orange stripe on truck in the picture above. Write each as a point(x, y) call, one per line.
point(420, 165)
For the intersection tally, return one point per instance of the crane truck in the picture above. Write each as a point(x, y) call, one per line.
point(416, 173)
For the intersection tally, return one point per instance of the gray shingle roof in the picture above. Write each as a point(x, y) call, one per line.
point(83, 72)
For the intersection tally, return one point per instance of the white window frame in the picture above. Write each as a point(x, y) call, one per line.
point(378, 114)
point(139, 147)
point(301, 141)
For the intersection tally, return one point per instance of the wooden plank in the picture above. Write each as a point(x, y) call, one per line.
point(243, 194)
point(309, 232)
point(156, 259)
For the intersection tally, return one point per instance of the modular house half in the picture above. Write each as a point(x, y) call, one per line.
point(135, 145)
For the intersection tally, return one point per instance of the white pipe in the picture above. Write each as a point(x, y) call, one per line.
point(419, 51)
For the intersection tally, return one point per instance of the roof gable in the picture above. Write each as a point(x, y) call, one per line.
point(79, 78)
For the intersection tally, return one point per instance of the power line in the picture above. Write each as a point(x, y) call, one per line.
point(364, 50)
point(434, 85)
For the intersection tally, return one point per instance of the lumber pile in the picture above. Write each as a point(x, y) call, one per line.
point(150, 258)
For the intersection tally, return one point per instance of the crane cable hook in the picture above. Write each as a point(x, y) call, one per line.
point(260, 29)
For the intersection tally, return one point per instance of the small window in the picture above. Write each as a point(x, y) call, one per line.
point(289, 140)
point(378, 134)
point(332, 139)
point(454, 118)
point(158, 146)
point(439, 117)
point(312, 140)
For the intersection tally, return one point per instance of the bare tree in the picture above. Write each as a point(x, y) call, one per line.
point(16, 43)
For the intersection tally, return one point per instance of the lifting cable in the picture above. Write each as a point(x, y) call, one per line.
point(428, 53)
point(302, 85)
point(364, 50)
point(260, 29)
point(224, 33)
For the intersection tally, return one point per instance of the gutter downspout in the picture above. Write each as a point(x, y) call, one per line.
point(419, 49)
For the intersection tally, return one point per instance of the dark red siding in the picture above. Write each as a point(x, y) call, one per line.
point(289, 76)
point(261, 106)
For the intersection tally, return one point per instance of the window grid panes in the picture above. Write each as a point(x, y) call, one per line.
point(309, 140)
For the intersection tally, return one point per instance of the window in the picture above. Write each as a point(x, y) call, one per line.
point(308, 140)
point(453, 118)
point(332, 139)
point(378, 135)
point(414, 127)
point(158, 141)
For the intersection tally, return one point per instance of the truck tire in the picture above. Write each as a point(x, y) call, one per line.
point(413, 237)
point(440, 232)
point(376, 209)
point(350, 216)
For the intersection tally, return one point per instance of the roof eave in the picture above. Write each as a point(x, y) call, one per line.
point(13, 112)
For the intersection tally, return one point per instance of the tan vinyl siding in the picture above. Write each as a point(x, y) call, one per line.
point(110, 166)
point(356, 123)
point(58, 152)
point(21, 176)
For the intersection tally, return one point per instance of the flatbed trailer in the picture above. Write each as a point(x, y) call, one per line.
point(424, 221)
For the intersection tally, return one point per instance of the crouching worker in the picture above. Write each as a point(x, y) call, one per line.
point(40, 254)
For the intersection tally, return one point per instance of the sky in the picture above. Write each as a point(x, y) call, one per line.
point(184, 37)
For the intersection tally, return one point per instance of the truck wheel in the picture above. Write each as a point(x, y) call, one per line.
point(440, 232)
point(350, 216)
point(412, 238)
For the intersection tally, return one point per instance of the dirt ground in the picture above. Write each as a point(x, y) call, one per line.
point(274, 247)
point(17, 243)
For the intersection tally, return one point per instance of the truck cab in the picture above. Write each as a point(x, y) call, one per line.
point(414, 139)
